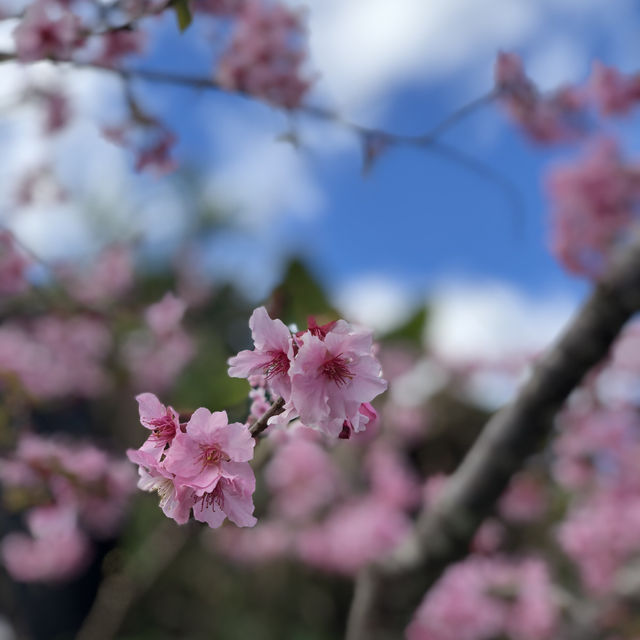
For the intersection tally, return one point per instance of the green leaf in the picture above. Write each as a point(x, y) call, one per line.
point(412, 331)
point(183, 13)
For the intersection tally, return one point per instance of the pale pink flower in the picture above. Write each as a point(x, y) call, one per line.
point(271, 356)
point(230, 497)
point(208, 449)
point(163, 422)
point(56, 549)
point(175, 501)
point(331, 378)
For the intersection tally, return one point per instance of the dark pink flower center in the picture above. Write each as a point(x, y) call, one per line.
point(164, 429)
point(212, 454)
point(278, 365)
point(336, 369)
point(211, 499)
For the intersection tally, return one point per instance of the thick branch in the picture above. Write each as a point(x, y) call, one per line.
point(442, 534)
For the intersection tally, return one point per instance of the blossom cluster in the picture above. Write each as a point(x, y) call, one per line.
point(265, 56)
point(326, 375)
point(324, 378)
point(72, 493)
point(201, 466)
point(594, 202)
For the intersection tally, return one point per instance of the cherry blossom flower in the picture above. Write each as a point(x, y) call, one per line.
point(200, 455)
point(204, 468)
point(331, 378)
point(175, 500)
point(163, 422)
point(271, 357)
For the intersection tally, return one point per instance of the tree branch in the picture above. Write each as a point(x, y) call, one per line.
point(442, 534)
point(275, 409)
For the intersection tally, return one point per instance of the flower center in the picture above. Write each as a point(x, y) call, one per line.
point(336, 369)
point(211, 499)
point(164, 429)
point(211, 454)
point(277, 366)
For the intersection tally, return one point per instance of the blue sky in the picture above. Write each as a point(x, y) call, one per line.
point(419, 219)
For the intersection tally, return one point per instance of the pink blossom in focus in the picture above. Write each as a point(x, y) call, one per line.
point(271, 357)
point(175, 501)
point(200, 455)
point(163, 422)
point(204, 468)
point(331, 378)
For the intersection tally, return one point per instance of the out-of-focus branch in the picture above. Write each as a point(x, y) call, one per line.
point(119, 591)
point(443, 533)
point(374, 141)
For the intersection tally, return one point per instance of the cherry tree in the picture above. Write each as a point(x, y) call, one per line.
point(311, 442)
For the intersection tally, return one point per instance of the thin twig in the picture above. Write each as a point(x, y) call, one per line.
point(425, 141)
point(275, 409)
point(442, 534)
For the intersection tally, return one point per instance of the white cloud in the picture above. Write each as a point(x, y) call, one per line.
point(493, 322)
point(375, 301)
point(258, 178)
